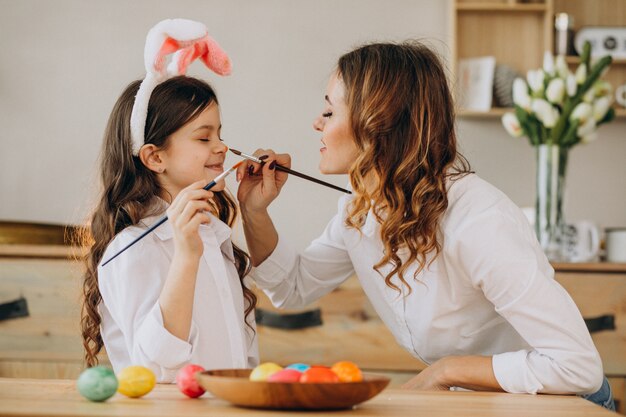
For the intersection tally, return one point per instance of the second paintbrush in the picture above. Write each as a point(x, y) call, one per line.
point(289, 171)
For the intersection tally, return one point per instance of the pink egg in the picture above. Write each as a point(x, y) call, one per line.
point(286, 375)
point(186, 381)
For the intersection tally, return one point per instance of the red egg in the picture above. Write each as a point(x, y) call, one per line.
point(318, 374)
point(286, 375)
point(187, 382)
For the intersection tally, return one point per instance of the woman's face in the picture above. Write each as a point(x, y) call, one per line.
point(339, 150)
point(195, 152)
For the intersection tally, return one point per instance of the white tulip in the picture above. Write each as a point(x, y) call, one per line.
point(600, 107)
point(556, 91)
point(602, 88)
point(548, 63)
point(586, 128)
point(590, 137)
point(545, 112)
point(581, 74)
point(571, 85)
point(581, 112)
point(589, 96)
point(520, 94)
point(535, 80)
point(512, 125)
point(561, 67)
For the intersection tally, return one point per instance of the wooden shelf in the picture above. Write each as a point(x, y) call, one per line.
point(502, 7)
point(589, 267)
point(620, 113)
point(576, 60)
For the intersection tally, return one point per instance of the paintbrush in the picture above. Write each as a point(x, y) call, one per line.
point(164, 218)
point(289, 171)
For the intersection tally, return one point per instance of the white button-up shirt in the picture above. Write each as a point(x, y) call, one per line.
point(132, 323)
point(491, 291)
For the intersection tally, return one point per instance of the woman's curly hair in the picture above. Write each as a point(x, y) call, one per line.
point(402, 119)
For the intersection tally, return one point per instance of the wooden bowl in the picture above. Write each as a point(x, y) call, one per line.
point(234, 386)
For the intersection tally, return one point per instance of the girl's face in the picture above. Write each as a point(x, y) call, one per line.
point(194, 152)
point(339, 149)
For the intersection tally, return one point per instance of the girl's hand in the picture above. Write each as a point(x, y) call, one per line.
point(259, 186)
point(187, 213)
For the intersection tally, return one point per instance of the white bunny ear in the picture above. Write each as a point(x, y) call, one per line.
point(188, 40)
point(168, 36)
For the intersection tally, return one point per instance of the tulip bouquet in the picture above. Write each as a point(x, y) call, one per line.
point(557, 107)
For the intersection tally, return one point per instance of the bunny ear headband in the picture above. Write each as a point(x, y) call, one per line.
point(188, 40)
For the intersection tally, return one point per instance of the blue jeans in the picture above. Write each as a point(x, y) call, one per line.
point(603, 397)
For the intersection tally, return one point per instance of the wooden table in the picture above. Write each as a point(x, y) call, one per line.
point(37, 397)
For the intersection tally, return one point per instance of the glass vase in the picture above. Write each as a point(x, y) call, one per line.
point(549, 221)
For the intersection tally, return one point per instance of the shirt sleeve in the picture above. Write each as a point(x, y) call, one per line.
point(130, 287)
point(500, 255)
point(294, 280)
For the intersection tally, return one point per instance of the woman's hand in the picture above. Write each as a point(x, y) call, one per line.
point(260, 185)
point(469, 372)
point(187, 213)
point(430, 379)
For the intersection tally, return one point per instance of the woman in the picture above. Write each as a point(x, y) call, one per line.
point(450, 264)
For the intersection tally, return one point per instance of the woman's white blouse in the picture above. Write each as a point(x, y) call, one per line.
point(491, 291)
point(132, 323)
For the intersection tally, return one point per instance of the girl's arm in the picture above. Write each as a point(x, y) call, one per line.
point(186, 213)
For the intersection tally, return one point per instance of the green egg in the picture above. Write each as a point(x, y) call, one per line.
point(97, 384)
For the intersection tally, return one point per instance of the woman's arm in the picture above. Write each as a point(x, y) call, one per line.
point(498, 253)
point(261, 235)
point(258, 187)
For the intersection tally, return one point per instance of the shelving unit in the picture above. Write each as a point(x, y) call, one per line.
point(517, 33)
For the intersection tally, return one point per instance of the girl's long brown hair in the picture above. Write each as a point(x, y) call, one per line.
point(402, 118)
point(129, 189)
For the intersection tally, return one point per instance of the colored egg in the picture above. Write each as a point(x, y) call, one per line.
point(97, 384)
point(264, 370)
point(285, 375)
point(317, 374)
point(347, 371)
point(186, 381)
point(302, 367)
point(135, 381)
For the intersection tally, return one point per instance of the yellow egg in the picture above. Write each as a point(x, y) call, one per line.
point(135, 381)
point(264, 370)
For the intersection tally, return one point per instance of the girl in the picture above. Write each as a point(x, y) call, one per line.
point(450, 264)
point(178, 295)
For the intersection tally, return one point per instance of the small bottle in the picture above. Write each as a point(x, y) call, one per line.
point(563, 34)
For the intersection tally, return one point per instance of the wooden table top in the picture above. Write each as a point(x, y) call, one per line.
point(39, 397)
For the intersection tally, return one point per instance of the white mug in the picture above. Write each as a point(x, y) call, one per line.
point(581, 241)
point(620, 95)
point(616, 244)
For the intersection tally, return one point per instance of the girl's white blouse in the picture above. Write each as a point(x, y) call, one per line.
point(491, 291)
point(132, 323)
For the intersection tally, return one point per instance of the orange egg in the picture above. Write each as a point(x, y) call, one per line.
point(347, 371)
point(316, 374)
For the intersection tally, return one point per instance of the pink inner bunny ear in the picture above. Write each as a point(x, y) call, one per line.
point(208, 51)
point(170, 45)
point(189, 54)
point(215, 58)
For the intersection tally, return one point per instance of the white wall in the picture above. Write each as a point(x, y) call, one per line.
point(64, 62)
